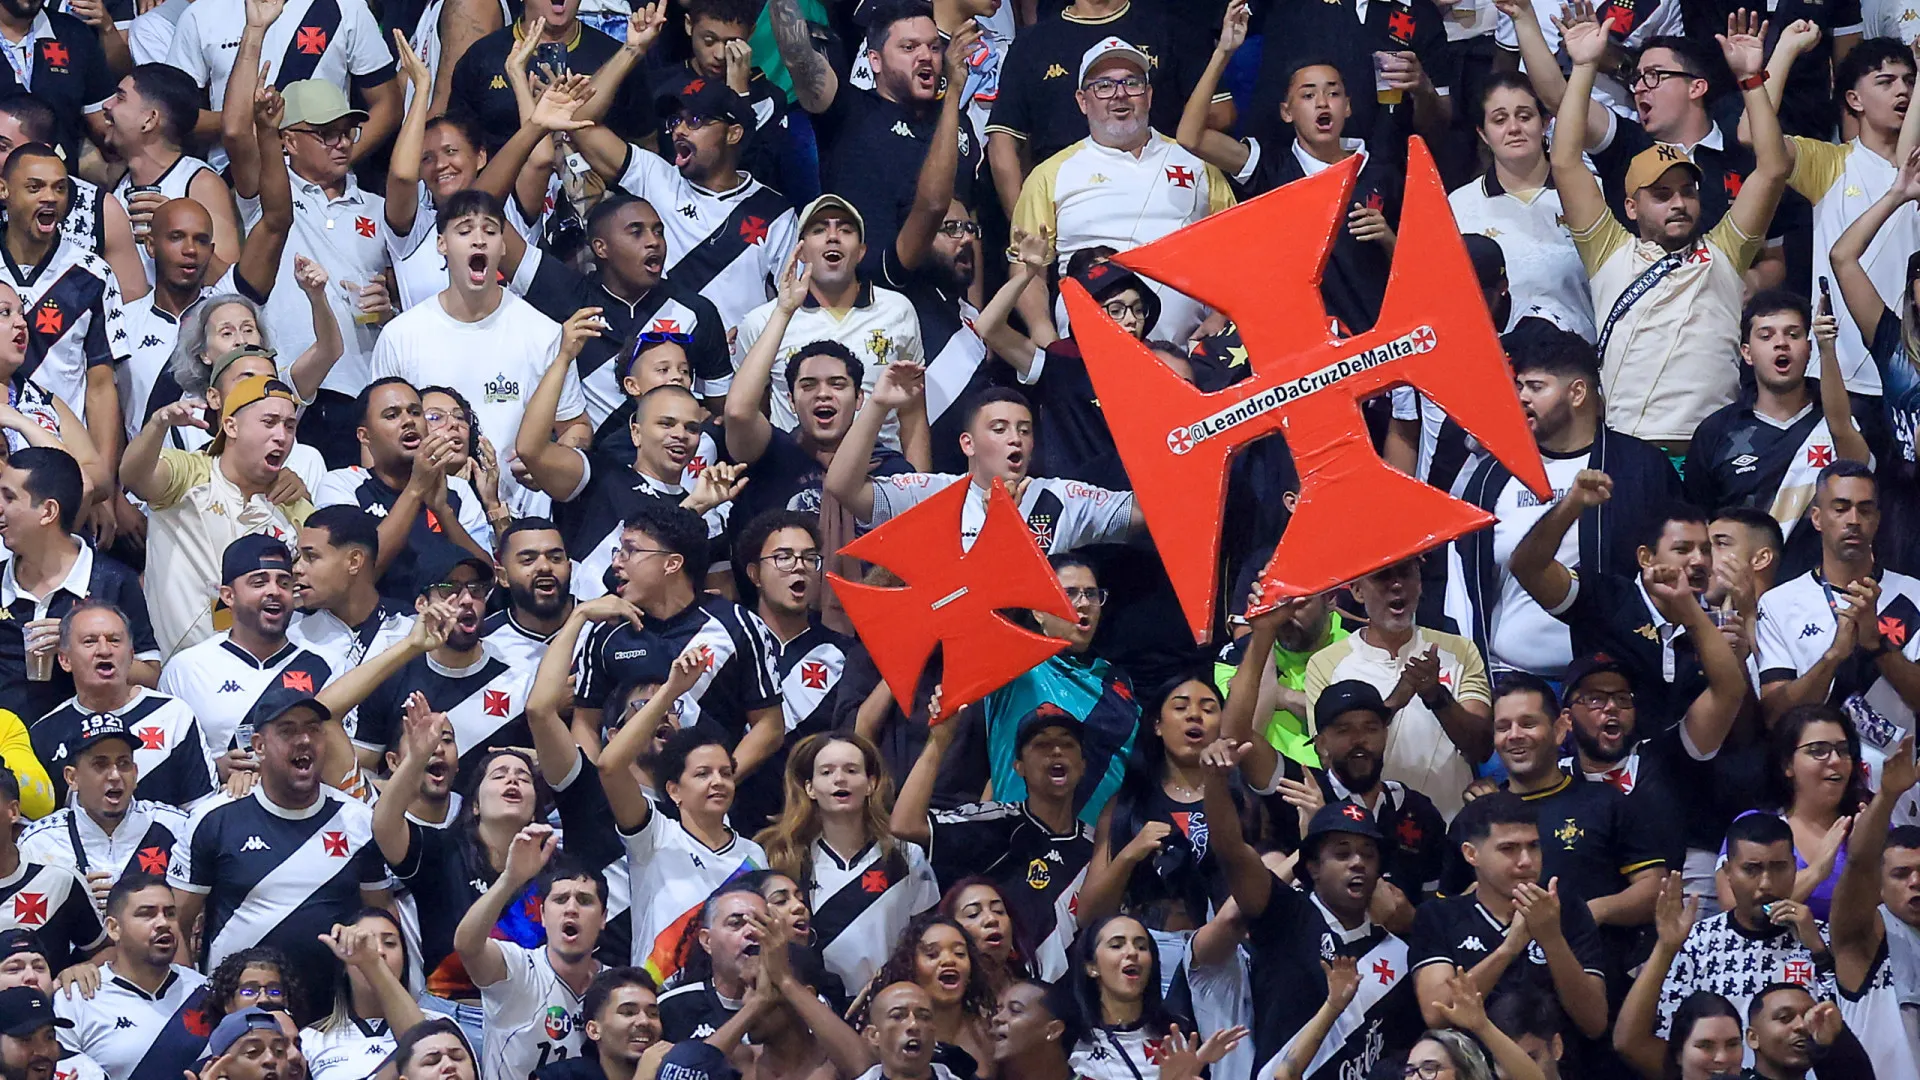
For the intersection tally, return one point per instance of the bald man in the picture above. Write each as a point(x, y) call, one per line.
point(900, 1031)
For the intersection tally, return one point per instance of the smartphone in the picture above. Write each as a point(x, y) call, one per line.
point(1826, 297)
point(553, 54)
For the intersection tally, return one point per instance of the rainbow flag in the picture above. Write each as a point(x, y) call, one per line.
point(671, 945)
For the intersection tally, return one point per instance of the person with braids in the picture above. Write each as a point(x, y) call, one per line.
point(937, 954)
point(833, 837)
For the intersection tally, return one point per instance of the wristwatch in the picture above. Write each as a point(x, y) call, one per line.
point(1754, 81)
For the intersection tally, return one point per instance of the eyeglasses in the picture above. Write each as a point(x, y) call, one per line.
point(331, 138)
point(1426, 1070)
point(627, 551)
point(1651, 78)
point(1120, 309)
point(447, 590)
point(954, 230)
point(786, 561)
point(255, 991)
point(1825, 750)
point(1593, 699)
point(436, 416)
point(1131, 86)
point(1093, 597)
point(696, 121)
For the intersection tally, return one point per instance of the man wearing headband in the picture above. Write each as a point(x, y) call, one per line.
point(201, 502)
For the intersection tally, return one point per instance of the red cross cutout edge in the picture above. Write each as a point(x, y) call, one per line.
point(1261, 262)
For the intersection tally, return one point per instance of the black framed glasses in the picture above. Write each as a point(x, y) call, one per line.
point(1425, 1070)
point(954, 230)
point(627, 551)
point(1651, 78)
point(1120, 309)
point(339, 137)
point(787, 561)
point(1106, 89)
point(1825, 750)
point(1594, 699)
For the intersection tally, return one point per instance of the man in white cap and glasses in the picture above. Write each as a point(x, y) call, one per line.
point(1124, 185)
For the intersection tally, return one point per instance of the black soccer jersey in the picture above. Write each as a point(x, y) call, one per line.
point(172, 756)
point(958, 363)
point(739, 679)
point(592, 519)
point(1459, 930)
point(1591, 838)
point(871, 150)
point(54, 905)
point(277, 876)
point(1741, 458)
point(134, 1035)
point(1039, 873)
point(486, 702)
point(692, 1011)
point(1288, 941)
point(1416, 844)
point(1613, 615)
point(1355, 278)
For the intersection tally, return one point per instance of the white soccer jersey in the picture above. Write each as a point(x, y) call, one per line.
point(673, 874)
point(728, 246)
point(1842, 181)
point(55, 905)
point(351, 1051)
point(532, 1016)
point(1736, 964)
point(861, 906)
point(1874, 1016)
point(1794, 628)
point(222, 683)
point(1063, 514)
point(142, 841)
point(881, 328)
point(123, 1027)
point(494, 363)
point(1543, 266)
point(173, 184)
point(503, 636)
point(335, 40)
point(1116, 1054)
point(74, 320)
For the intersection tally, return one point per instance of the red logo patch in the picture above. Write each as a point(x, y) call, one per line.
point(297, 680)
point(1409, 832)
point(1181, 176)
point(1400, 26)
point(30, 908)
point(813, 674)
point(874, 881)
point(1353, 813)
point(335, 843)
point(1155, 1050)
point(1376, 202)
point(494, 702)
point(1384, 971)
point(1732, 182)
point(1819, 456)
point(1894, 629)
point(694, 87)
point(1799, 971)
point(153, 860)
point(55, 53)
point(664, 326)
point(197, 1022)
point(152, 738)
point(753, 229)
point(48, 320)
point(310, 40)
point(363, 226)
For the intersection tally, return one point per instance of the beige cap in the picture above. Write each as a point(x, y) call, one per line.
point(1651, 164)
point(316, 103)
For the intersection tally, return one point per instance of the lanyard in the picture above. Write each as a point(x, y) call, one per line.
point(1833, 605)
point(73, 832)
point(20, 57)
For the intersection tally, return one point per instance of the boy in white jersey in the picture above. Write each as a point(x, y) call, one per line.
point(532, 997)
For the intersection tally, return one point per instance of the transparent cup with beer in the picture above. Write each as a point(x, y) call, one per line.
point(1385, 91)
point(42, 641)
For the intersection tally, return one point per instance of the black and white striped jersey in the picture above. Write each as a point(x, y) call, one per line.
point(861, 905)
point(172, 755)
point(135, 1035)
point(486, 702)
point(808, 672)
point(509, 639)
point(1038, 873)
point(738, 681)
point(278, 876)
point(54, 905)
point(223, 683)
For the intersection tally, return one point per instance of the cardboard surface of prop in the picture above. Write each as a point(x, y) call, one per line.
point(953, 597)
point(1261, 263)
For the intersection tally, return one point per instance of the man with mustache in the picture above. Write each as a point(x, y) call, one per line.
point(149, 1008)
point(1653, 623)
point(1843, 632)
point(538, 577)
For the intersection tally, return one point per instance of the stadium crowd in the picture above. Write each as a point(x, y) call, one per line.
point(430, 426)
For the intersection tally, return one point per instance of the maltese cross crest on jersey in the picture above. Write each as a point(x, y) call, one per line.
point(1261, 263)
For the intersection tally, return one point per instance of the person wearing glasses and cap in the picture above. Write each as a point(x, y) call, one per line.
point(202, 501)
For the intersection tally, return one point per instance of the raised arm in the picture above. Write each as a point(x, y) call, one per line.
point(995, 322)
point(1249, 880)
point(1220, 150)
point(1711, 715)
point(1857, 290)
point(634, 808)
point(552, 468)
point(814, 83)
point(1633, 1030)
point(409, 144)
point(643, 26)
point(237, 111)
point(1464, 1011)
point(142, 471)
point(1533, 564)
point(527, 855)
point(748, 431)
point(1854, 929)
point(462, 22)
point(1835, 406)
point(1343, 981)
point(1744, 47)
point(344, 694)
point(420, 737)
point(1794, 40)
point(1581, 199)
point(555, 111)
point(934, 190)
point(1238, 718)
point(847, 474)
point(259, 258)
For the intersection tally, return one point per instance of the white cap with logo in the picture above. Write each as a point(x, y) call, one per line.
point(1113, 46)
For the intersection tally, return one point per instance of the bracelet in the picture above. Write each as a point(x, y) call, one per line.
point(1754, 81)
point(1440, 698)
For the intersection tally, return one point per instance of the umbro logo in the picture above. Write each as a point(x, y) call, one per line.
point(229, 687)
point(1745, 462)
point(900, 128)
point(254, 843)
point(1809, 630)
point(1473, 943)
point(122, 1022)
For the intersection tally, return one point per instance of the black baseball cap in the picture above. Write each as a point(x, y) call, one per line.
point(1341, 817)
point(1104, 277)
point(235, 1026)
point(1349, 695)
point(293, 688)
point(99, 727)
point(1586, 667)
point(15, 940)
point(254, 551)
point(438, 564)
point(711, 98)
point(1046, 715)
point(24, 1010)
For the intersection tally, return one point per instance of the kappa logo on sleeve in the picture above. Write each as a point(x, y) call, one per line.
point(1261, 263)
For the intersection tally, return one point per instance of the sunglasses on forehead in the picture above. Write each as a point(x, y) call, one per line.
point(647, 340)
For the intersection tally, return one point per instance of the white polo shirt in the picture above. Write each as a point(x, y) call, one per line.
point(1543, 266)
point(205, 42)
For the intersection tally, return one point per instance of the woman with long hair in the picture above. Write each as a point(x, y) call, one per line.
point(1150, 853)
point(1704, 1039)
point(1515, 200)
point(833, 838)
point(937, 954)
point(368, 1005)
point(977, 904)
point(434, 1049)
point(1813, 781)
point(30, 415)
point(1121, 1028)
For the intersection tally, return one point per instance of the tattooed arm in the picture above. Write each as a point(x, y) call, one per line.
point(814, 82)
